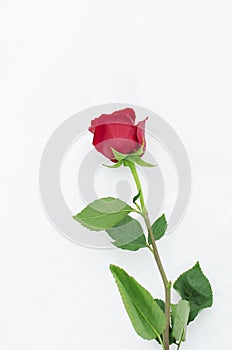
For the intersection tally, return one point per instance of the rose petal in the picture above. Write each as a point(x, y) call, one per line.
point(124, 116)
point(121, 137)
point(140, 129)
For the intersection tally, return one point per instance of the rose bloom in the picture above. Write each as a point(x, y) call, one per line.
point(118, 131)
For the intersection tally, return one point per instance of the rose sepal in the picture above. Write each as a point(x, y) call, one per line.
point(122, 159)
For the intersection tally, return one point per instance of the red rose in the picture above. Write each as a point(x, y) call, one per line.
point(118, 131)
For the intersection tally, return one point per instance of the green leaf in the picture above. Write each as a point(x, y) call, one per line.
point(136, 197)
point(103, 213)
point(194, 287)
point(158, 228)
point(136, 159)
point(161, 304)
point(146, 316)
point(180, 320)
point(173, 311)
point(128, 234)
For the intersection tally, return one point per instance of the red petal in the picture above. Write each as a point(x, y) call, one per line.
point(140, 127)
point(124, 116)
point(121, 137)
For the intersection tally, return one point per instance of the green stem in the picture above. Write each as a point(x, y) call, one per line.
point(166, 283)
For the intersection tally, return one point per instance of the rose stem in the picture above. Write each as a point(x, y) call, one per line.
point(167, 284)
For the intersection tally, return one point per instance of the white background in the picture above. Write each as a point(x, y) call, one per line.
point(59, 57)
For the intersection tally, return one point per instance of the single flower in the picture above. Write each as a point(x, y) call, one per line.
point(118, 131)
